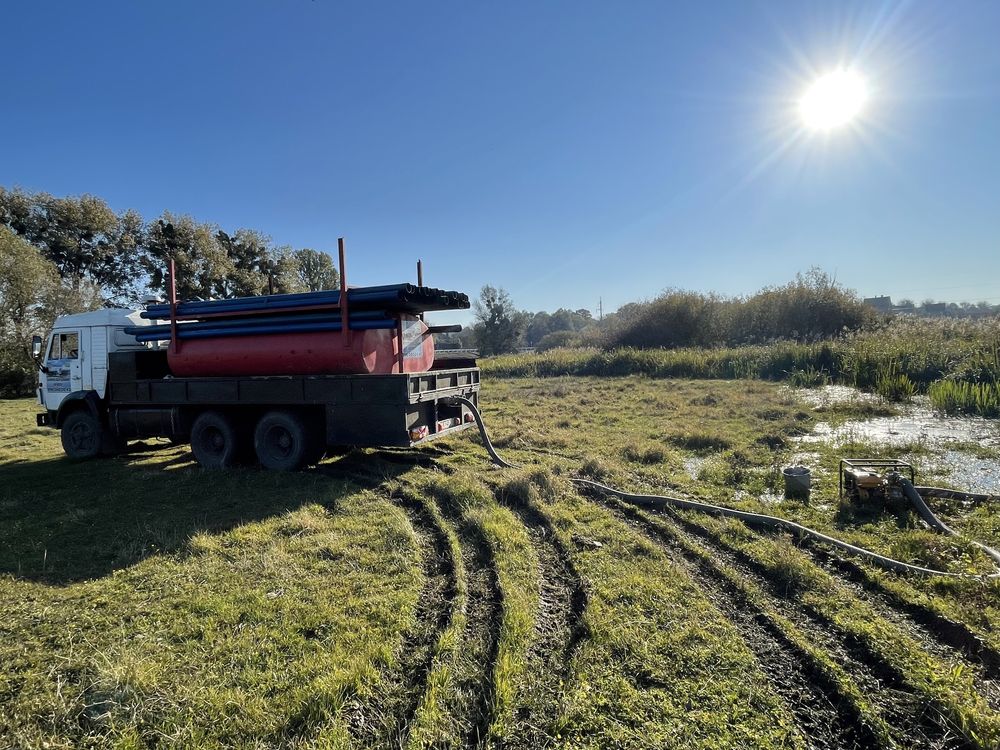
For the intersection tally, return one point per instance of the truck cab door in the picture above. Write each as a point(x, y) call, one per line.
point(64, 369)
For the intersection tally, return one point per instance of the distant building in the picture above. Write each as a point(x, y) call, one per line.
point(934, 308)
point(882, 304)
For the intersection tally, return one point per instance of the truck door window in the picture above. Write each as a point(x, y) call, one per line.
point(65, 346)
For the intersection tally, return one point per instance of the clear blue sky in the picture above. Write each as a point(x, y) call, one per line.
point(564, 150)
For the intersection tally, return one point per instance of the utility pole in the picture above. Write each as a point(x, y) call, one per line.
point(600, 308)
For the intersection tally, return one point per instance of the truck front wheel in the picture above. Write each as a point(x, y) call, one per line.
point(284, 442)
point(82, 435)
point(215, 441)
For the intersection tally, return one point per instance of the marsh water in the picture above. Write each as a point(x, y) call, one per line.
point(958, 448)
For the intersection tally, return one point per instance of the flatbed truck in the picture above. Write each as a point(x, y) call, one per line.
point(101, 388)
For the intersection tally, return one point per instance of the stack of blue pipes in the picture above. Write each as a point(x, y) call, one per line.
point(371, 307)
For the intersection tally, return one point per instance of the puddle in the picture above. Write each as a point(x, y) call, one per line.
point(829, 395)
point(693, 464)
point(917, 424)
point(973, 474)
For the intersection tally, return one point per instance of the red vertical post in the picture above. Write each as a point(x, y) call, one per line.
point(420, 279)
point(399, 338)
point(345, 323)
point(173, 306)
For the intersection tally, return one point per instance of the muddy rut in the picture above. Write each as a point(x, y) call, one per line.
point(559, 628)
point(823, 716)
point(384, 720)
point(952, 637)
point(913, 721)
point(472, 706)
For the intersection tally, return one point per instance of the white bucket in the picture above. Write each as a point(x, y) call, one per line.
point(797, 480)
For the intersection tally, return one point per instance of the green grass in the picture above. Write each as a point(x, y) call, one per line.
point(658, 648)
point(149, 603)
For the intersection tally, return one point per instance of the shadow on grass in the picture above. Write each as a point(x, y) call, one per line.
point(63, 522)
point(854, 514)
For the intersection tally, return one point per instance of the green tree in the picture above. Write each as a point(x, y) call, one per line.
point(316, 270)
point(557, 339)
point(212, 263)
point(285, 271)
point(498, 322)
point(31, 296)
point(247, 271)
point(82, 236)
point(202, 263)
point(538, 327)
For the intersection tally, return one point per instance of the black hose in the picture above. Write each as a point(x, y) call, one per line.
point(936, 523)
point(759, 519)
point(482, 430)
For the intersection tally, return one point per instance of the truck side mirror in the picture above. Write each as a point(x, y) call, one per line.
point(36, 346)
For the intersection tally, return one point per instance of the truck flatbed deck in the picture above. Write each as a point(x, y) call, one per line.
point(363, 410)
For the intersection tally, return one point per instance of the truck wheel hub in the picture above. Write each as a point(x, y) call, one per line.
point(216, 441)
point(82, 437)
point(280, 441)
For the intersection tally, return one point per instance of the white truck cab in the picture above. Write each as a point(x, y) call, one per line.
point(75, 357)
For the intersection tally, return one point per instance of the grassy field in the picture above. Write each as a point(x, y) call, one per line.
point(427, 599)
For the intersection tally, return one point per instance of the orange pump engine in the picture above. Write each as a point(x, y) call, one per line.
point(864, 479)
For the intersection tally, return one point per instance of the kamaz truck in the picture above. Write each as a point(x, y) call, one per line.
point(276, 379)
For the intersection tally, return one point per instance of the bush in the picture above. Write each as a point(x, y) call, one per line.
point(556, 340)
point(18, 374)
point(895, 386)
point(810, 377)
point(956, 361)
point(810, 308)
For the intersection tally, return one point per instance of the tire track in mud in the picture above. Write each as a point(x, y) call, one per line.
point(559, 625)
point(952, 635)
point(473, 705)
point(824, 717)
point(385, 720)
point(947, 639)
point(912, 719)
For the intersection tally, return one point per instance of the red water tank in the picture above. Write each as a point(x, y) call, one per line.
point(366, 352)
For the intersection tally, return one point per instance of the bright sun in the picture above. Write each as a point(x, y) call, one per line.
point(833, 100)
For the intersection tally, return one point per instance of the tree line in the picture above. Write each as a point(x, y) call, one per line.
point(811, 307)
point(500, 327)
point(122, 257)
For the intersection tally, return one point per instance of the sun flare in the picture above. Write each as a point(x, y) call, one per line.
point(833, 100)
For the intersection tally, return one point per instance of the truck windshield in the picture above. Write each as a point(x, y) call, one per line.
point(65, 346)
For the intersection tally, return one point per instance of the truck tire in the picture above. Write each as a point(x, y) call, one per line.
point(284, 442)
point(82, 435)
point(215, 441)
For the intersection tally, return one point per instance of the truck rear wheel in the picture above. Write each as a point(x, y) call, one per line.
point(215, 441)
point(284, 442)
point(82, 435)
